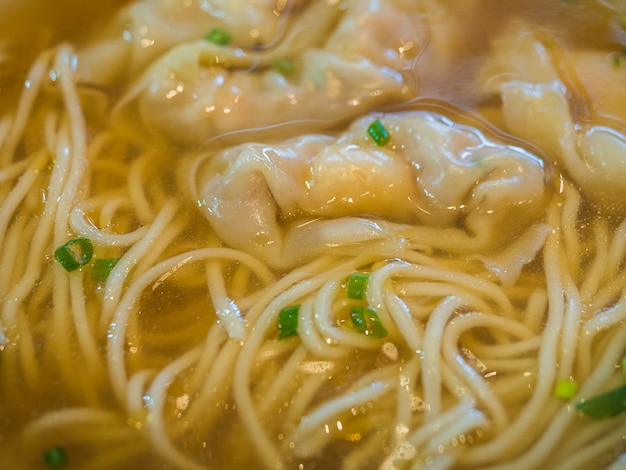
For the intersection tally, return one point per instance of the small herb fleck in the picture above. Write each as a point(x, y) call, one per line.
point(55, 457)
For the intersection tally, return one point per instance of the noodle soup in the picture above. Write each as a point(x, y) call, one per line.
point(312, 234)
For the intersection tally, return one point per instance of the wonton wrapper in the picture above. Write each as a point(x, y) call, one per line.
point(144, 30)
point(290, 201)
point(533, 81)
point(346, 62)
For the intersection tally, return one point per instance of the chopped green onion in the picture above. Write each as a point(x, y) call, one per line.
point(55, 457)
point(288, 321)
point(566, 389)
point(378, 132)
point(366, 321)
point(74, 254)
point(218, 36)
point(617, 59)
point(102, 268)
point(623, 364)
point(606, 405)
point(357, 283)
point(285, 67)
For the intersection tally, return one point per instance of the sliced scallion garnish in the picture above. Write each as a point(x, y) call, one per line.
point(102, 268)
point(56, 457)
point(378, 132)
point(606, 405)
point(218, 36)
point(285, 67)
point(365, 320)
point(357, 283)
point(565, 389)
point(74, 254)
point(288, 321)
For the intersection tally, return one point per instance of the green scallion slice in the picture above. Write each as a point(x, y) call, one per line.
point(623, 365)
point(285, 67)
point(288, 321)
point(218, 36)
point(56, 457)
point(366, 321)
point(565, 389)
point(102, 268)
point(74, 254)
point(378, 132)
point(606, 405)
point(357, 284)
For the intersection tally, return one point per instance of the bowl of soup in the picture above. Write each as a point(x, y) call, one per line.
point(313, 234)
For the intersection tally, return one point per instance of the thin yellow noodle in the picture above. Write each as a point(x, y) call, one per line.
point(135, 401)
point(311, 337)
point(482, 390)
point(33, 83)
point(324, 321)
point(10, 205)
point(595, 272)
point(226, 309)
point(214, 340)
point(214, 389)
point(616, 252)
point(431, 378)
point(51, 129)
point(568, 229)
point(471, 421)
point(81, 224)
point(65, 418)
point(407, 379)
point(570, 330)
point(602, 321)
point(137, 186)
point(514, 389)
point(151, 256)
point(157, 427)
point(411, 331)
point(12, 258)
point(11, 172)
point(280, 386)
point(27, 352)
point(120, 272)
point(424, 433)
point(310, 386)
point(517, 348)
point(608, 294)
point(536, 309)
point(310, 435)
point(84, 331)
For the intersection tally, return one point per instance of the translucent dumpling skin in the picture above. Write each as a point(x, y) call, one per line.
point(335, 61)
point(537, 89)
point(144, 30)
point(292, 199)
